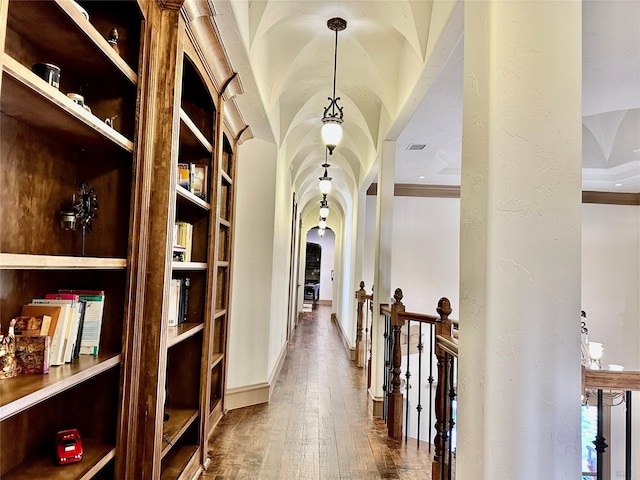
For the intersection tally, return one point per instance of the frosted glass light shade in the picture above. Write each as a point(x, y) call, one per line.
point(322, 224)
point(321, 232)
point(325, 185)
point(595, 350)
point(324, 212)
point(331, 134)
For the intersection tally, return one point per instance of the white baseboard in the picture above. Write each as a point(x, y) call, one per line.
point(255, 394)
point(351, 350)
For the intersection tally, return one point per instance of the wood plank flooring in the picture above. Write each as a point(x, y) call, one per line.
point(317, 424)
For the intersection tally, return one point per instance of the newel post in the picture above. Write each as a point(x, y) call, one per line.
point(360, 296)
point(394, 418)
point(439, 467)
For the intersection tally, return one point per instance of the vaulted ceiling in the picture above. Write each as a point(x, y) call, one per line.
point(399, 77)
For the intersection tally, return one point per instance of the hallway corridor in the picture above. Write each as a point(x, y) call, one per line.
point(316, 425)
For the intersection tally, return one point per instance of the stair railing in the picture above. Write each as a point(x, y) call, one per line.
point(441, 380)
point(606, 382)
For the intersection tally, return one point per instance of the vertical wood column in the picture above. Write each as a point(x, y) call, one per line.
point(382, 268)
point(140, 442)
point(519, 377)
point(395, 397)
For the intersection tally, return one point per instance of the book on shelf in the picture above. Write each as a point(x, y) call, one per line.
point(71, 319)
point(73, 337)
point(92, 321)
point(32, 324)
point(57, 313)
point(174, 303)
point(32, 353)
point(199, 180)
point(184, 176)
point(183, 241)
point(185, 286)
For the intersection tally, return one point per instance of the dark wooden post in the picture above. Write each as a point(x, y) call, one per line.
point(394, 419)
point(439, 467)
point(370, 340)
point(361, 295)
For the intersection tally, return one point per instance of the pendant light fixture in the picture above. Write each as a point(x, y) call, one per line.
point(322, 224)
point(332, 117)
point(324, 207)
point(325, 180)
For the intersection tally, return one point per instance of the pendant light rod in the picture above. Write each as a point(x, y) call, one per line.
point(331, 130)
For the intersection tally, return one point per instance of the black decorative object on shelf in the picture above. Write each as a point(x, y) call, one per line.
point(82, 212)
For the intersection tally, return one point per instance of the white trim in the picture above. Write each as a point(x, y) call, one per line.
point(351, 350)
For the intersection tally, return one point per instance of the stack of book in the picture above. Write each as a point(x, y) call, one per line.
point(178, 301)
point(182, 241)
point(70, 319)
point(194, 178)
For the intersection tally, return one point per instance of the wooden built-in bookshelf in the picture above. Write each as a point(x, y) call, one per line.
point(153, 103)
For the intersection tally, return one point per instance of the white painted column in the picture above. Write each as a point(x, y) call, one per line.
point(519, 377)
point(382, 264)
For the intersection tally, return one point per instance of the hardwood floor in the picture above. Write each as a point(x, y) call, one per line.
point(317, 424)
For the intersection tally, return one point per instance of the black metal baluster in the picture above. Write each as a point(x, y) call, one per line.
point(419, 405)
point(430, 380)
point(627, 452)
point(407, 386)
point(599, 442)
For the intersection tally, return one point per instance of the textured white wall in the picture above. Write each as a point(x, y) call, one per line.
point(252, 265)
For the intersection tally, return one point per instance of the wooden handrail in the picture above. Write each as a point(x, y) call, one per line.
point(448, 344)
point(610, 380)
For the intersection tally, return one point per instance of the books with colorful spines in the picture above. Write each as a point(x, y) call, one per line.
point(32, 353)
point(184, 175)
point(57, 314)
point(72, 332)
point(32, 325)
point(93, 312)
point(69, 306)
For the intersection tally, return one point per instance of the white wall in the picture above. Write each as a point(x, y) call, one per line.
point(611, 280)
point(252, 265)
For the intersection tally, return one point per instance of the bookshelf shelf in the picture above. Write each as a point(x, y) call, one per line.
point(181, 457)
point(186, 195)
point(216, 358)
point(28, 98)
point(18, 261)
point(180, 333)
point(189, 266)
point(226, 177)
point(191, 135)
point(96, 455)
point(179, 421)
point(59, 23)
point(24, 391)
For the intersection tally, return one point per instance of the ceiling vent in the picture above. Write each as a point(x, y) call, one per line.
point(417, 146)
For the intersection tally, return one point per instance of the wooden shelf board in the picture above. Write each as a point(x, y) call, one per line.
point(185, 194)
point(220, 313)
point(191, 134)
point(97, 454)
point(24, 391)
point(226, 177)
point(222, 264)
point(180, 419)
point(19, 261)
point(28, 98)
point(216, 358)
point(189, 266)
point(183, 465)
point(224, 222)
point(69, 28)
point(182, 332)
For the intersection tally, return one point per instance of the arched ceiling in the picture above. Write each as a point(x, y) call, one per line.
point(284, 52)
point(399, 77)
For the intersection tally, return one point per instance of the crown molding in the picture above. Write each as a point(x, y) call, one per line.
point(445, 191)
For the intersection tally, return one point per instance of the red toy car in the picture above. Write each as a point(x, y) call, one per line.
point(68, 447)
